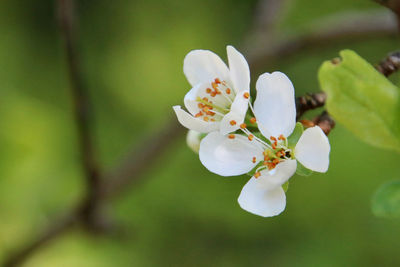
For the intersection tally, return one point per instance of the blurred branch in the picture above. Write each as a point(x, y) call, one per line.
point(390, 64)
point(141, 159)
point(393, 5)
point(346, 27)
point(82, 109)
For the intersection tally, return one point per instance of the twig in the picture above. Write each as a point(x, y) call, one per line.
point(393, 5)
point(390, 64)
point(308, 102)
point(87, 209)
point(350, 27)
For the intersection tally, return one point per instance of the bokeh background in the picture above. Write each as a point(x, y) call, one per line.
point(180, 214)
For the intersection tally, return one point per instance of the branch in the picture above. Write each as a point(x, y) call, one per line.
point(345, 27)
point(390, 64)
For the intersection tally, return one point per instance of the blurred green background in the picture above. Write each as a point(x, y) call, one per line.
point(180, 215)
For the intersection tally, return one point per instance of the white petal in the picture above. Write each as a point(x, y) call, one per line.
point(237, 113)
point(259, 201)
point(190, 100)
point(203, 66)
point(199, 91)
point(239, 70)
point(313, 149)
point(193, 123)
point(193, 139)
point(228, 157)
point(274, 106)
point(278, 176)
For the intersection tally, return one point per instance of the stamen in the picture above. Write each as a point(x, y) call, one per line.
point(257, 174)
point(232, 122)
point(281, 137)
point(217, 81)
point(253, 120)
point(231, 136)
point(254, 160)
point(243, 126)
point(205, 118)
point(199, 114)
point(208, 90)
point(246, 95)
point(250, 137)
point(228, 91)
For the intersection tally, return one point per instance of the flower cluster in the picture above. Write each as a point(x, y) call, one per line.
point(235, 136)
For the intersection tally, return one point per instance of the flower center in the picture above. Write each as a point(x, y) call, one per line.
point(274, 154)
point(215, 101)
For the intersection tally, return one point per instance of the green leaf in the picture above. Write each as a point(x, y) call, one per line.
point(295, 136)
point(285, 186)
point(303, 171)
point(386, 201)
point(362, 99)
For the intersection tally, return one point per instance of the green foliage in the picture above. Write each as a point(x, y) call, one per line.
point(295, 136)
point(386, 201)
point(285, 186)
point(303, 171)
point(362, 99)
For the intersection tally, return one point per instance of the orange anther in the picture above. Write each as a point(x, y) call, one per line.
point(257, 174)
point(217, 80)
point(281, 137)
point(205, 118)
point(275, 161)
point(228, 91)
point(213, 94)
point(214, 85)
point(212, 119)
point(199, 114)
point(205, 99)
point(273, 146)
point(253, 120)
point(231, 136)
point(272, 138)
point(254, 159)
point(210, 113)
point(243, 126)
point(208, 90)
point(266, 158)
point(246, 95)
point(232, 122)
point(250, 137)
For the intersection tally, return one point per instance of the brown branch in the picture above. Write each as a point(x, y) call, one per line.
point(142, 158)
point(390, 64)
point(348, 27)
point(393, 5)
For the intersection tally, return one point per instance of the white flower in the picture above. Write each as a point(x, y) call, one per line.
point(193, 139)
point(235, 154)
point(219, 97)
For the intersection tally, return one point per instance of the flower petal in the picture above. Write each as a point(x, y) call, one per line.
point(274, 106)
point(200, 91)
point(239, 70)
point(237, 113)
point(193, 139)
point(257, 200)
point(229, 157)
point(312, 149)
point(193, 123)
point(278, 176)
point(202, 66)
